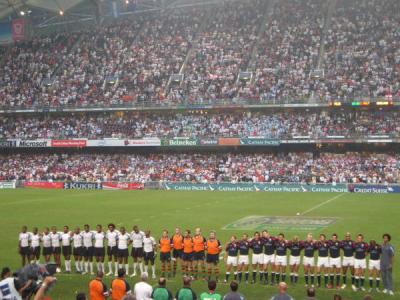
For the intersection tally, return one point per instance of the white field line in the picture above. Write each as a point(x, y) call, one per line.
point(322, 204)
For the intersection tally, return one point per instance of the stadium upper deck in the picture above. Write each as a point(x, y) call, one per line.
point(246, 51)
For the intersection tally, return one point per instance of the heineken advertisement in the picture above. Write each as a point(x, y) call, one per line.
point(180, 142)
point(255, 187)
point(259, 141)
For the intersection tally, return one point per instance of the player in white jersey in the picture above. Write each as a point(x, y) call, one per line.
point(77, 251)
point(123, 242)
point(149, 252)
point(66, 238)
point(99, 250)
point(112, 249)
point(23, 245)
point(46, 242)
point(88, 237)
point(137, 249)
point(56, 245)
point(34, 246)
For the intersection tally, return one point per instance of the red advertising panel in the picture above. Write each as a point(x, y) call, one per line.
point(18, 29)
point(69, 143)
point(44, 185)
point(229, 141)
point(123, 186)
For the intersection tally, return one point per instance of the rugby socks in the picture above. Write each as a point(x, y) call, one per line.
point(86, 267)
point(126, 268)
point(235, 276)
point(284, 276)
point(203, 269)
point(261, 276)
point(266, 277)
point(175, 265)
point(169, 269)
point(134, 267)
point(296, 277)
point(353, 279)
point(246, 276)
point(337, 279)
point(240, 276)
point(77, 267)
point(357, 281)
point(277, 276)
point(312, 279)
point(153, 269)
point(272, 277)
point(344, 279)
point(371, 282)
point(115, 266)
point(291, 277)
point(141, 268)
point(378, 282)
point(91, 267)
point(68, 265)
point(319, 279)
point(81, 266)
point(332, 279)
point(307, 278)
point(254, 276)
point(326, 279)
point(216, 270)
point(362, 279)
point(110, 267)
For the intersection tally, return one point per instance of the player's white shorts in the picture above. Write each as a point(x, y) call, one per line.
point(281, 260)
point(334, 262)
point(360, 263)
point(294, 260)
point(308, 261)
point(269, 259)
point(374, 264)
point(243, 260)
point(348, 261)
point(323, 262)
point(257, 259)
point(232, 261)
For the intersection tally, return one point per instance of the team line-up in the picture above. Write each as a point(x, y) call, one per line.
point(199, 256)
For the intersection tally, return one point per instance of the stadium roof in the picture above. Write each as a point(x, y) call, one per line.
point(14, 6)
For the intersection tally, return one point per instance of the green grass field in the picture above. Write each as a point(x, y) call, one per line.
point(366, 213)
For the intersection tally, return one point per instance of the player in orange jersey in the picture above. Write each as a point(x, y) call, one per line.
point(165, 254)
point(214, 248)
point(177, 244)
point(199, 242)
point(187, 256)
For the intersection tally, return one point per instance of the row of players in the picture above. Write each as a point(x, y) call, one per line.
point(334, 257)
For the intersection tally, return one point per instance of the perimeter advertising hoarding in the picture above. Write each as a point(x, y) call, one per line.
point(7, 185)
point(256, 187)
point(374, 188)
point(259, 141)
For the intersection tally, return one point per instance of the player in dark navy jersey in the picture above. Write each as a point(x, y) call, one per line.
point(269, 256)
point(281, 246)
point(257, 258)
point(231, 252)
point(243, 262)
point(360, 261)
point(323, 260)
point(308, 259)
point(374, 265)
point(347, 246)
point(295, 247)
point(334, 261)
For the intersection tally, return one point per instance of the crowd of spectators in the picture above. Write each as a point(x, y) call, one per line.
point(204, 167)
point(132, 60)
point(207, 124)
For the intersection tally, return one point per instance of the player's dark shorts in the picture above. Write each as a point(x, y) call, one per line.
point(187, 256)
point(35, 251)
point(149, 257)
point(177, 253)
point(77, 251)
point(87, 252)
point(24, 250)
point(137, 252)
point(47, 251)
point(99, 252)
point(212, 258)
point(124, 253)
point(198, 256)
point(56, 250)
point(66, 250)
point(112, 251)
point(165, 256)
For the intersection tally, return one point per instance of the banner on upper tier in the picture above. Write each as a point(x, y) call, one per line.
point(180, 141)
point(259, 141)
point(256, 187)
point(8, 143)
point(44, 185)
point(123, 186)
point(374, 188)
point(69, 143)
point(7, 185)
